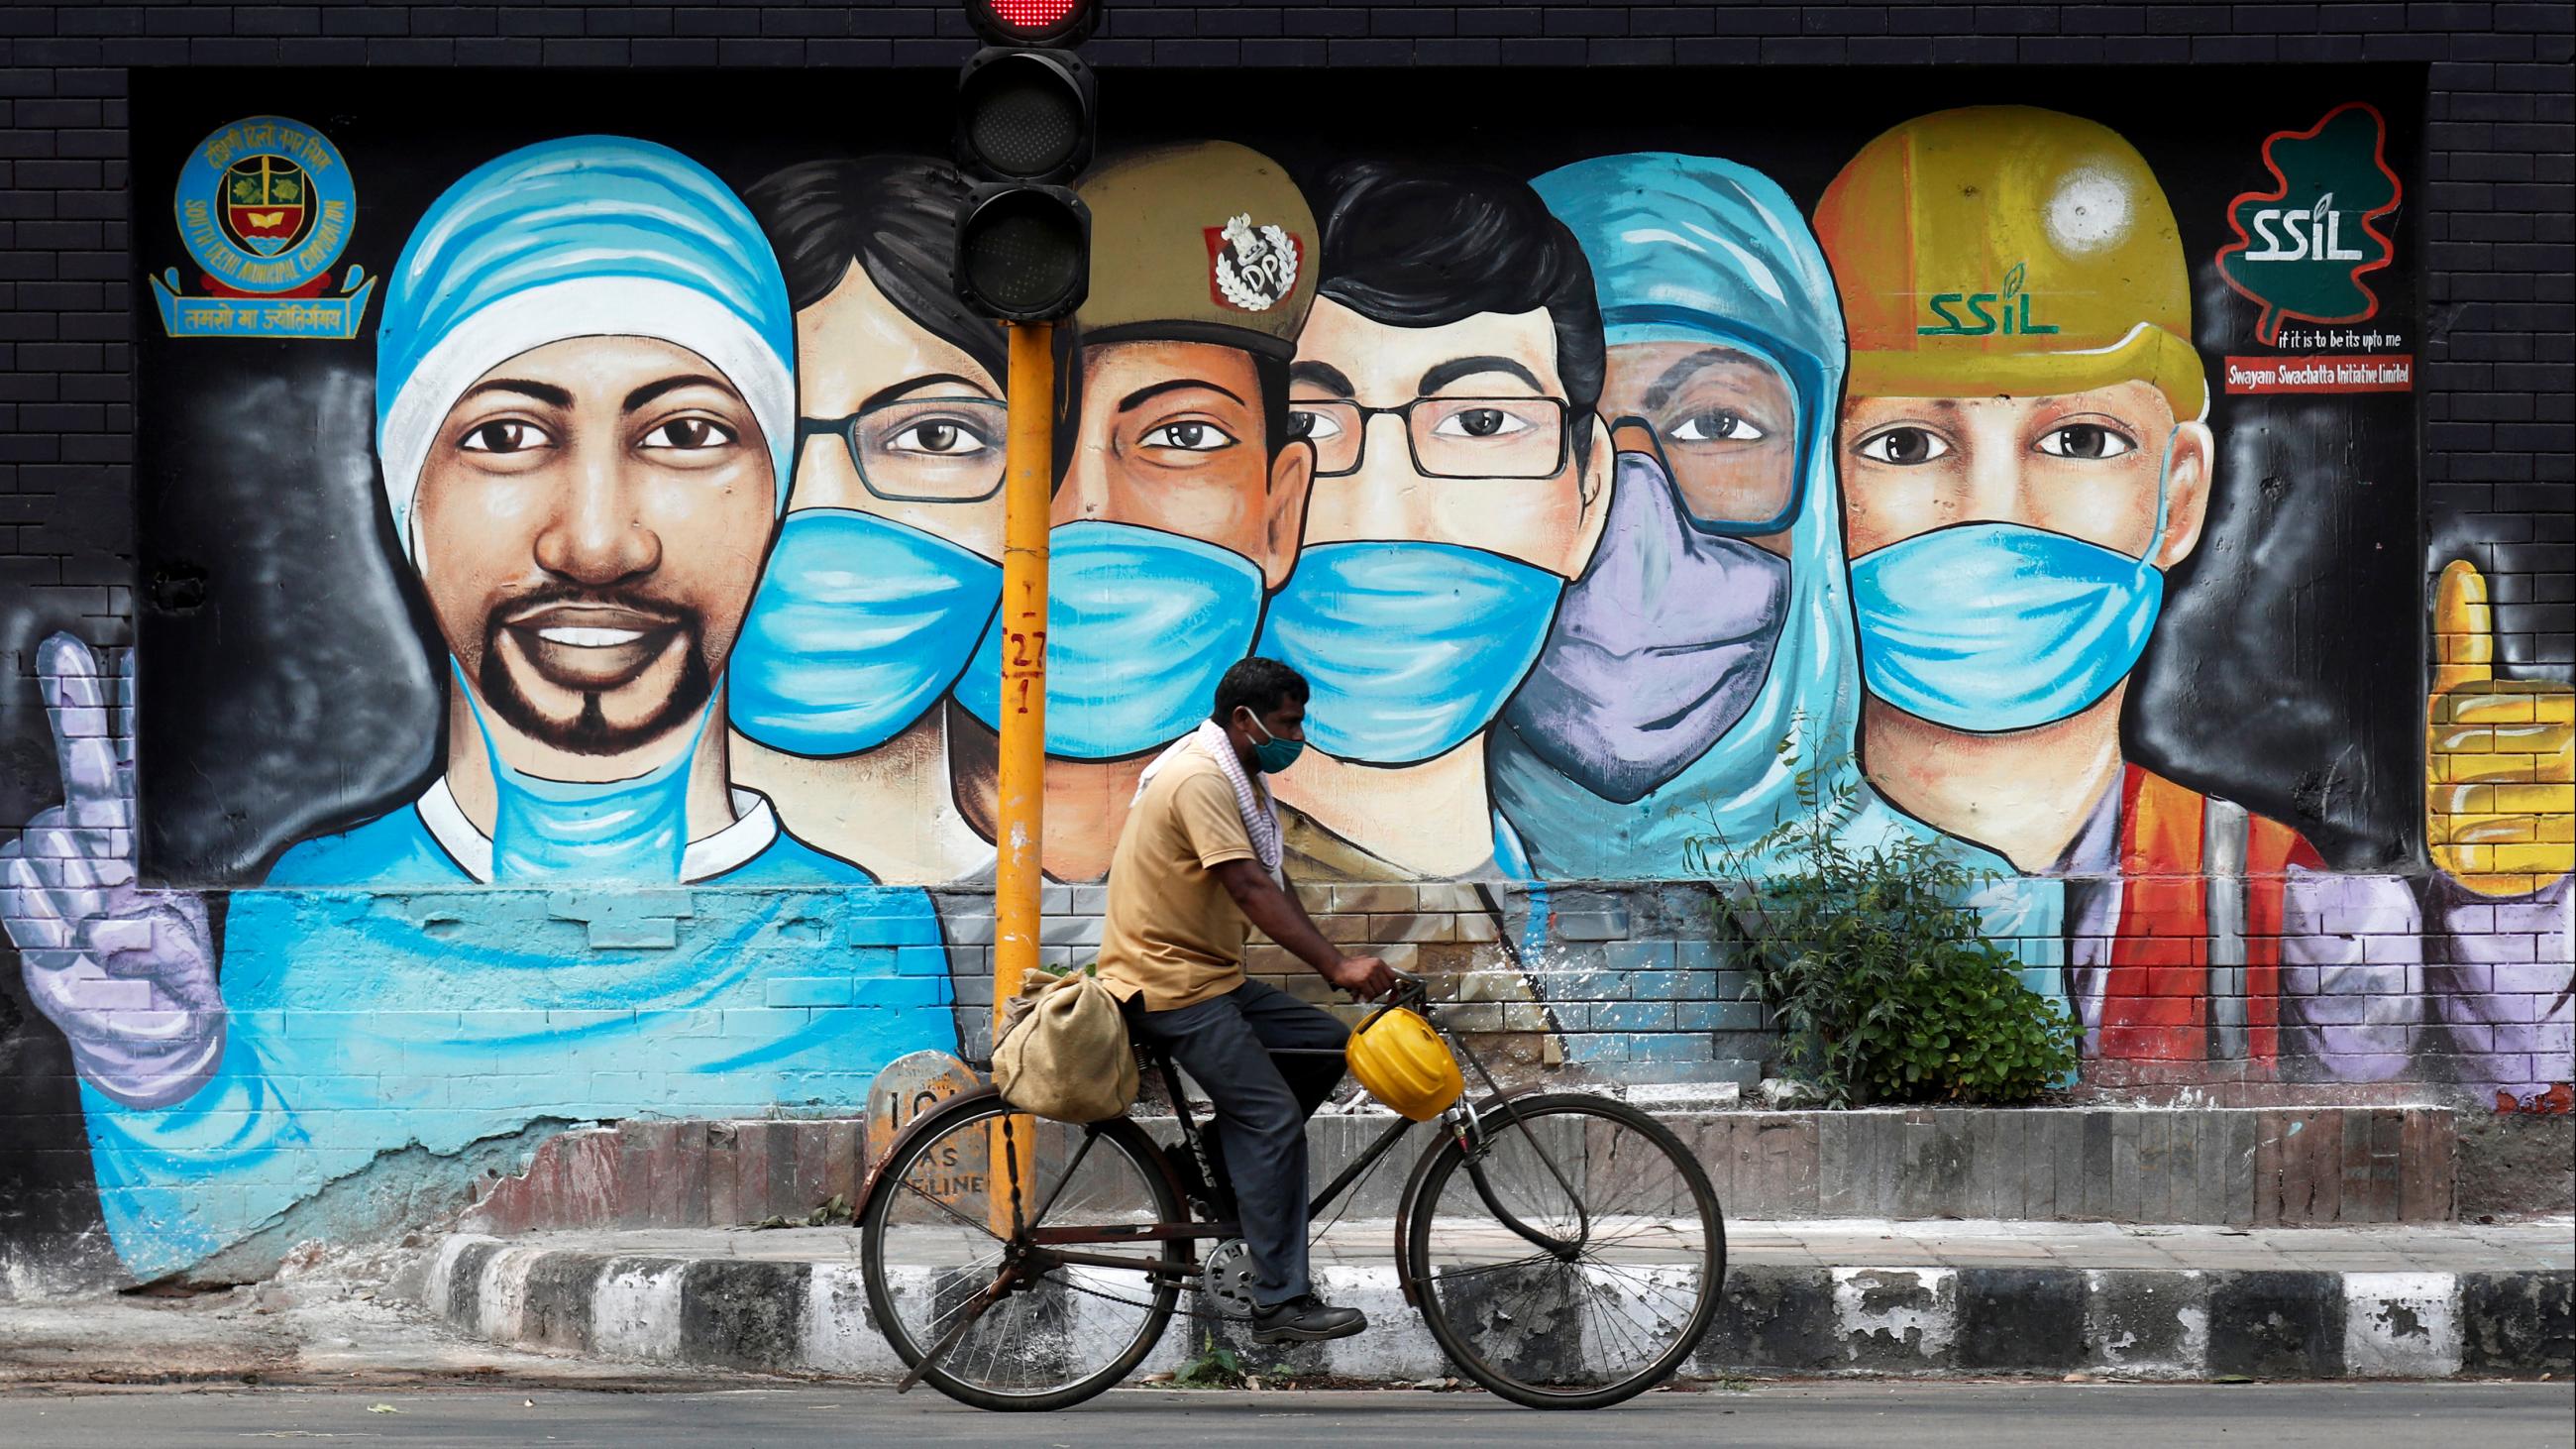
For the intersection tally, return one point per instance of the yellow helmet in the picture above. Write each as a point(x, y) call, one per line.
point(1405, 1064)
point(2009, 250)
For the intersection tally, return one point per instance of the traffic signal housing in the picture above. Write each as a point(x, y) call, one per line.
point(1027, 116)
point(1024, 253)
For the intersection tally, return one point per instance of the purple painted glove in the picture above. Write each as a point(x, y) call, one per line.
point(127, 974)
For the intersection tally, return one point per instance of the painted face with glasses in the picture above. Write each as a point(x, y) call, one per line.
point(1453, 497)
point(885, 571)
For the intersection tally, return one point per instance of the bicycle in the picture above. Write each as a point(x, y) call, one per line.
point(1565, 1250)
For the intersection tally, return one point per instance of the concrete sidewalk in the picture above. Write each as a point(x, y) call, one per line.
point(1829, 1296)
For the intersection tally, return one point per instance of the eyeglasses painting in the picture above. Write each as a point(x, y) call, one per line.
point(921, 450)
point(1449, 437)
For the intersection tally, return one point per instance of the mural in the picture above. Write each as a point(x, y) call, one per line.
point(601, 721)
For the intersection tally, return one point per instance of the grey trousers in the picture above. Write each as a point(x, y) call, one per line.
point(1262, 1103)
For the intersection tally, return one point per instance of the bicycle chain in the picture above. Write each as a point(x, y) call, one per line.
point(1177, 1312)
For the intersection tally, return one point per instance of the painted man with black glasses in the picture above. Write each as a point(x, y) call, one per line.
point(1447, 380)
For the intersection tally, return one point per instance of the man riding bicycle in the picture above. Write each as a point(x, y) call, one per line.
point(1197, 863)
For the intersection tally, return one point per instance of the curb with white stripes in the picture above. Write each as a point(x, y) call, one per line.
point(812, 1317)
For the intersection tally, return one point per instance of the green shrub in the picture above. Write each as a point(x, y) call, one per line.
point(1871, 964)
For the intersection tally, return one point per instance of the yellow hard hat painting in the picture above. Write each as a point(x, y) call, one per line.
point(2007, 249)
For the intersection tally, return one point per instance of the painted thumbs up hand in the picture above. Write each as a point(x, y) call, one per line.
point(2499, 755)
point(127, 974)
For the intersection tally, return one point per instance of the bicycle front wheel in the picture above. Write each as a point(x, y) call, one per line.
point(1571, 1257)
point(954, 1277)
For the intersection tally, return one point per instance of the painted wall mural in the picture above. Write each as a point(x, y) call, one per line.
point(569, 690)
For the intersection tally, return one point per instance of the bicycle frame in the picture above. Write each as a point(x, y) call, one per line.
point(1052, 1245)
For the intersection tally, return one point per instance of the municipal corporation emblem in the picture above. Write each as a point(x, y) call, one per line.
point(264, 208)
point(1251, 268)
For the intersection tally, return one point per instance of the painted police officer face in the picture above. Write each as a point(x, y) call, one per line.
point(1173, 437)
point(592, 517)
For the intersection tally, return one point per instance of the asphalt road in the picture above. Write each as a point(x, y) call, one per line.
point(1915, 1415)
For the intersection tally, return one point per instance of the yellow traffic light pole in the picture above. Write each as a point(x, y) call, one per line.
point(1020, 821)
point(1029, 461)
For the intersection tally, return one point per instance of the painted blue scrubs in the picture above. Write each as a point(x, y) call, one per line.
point(364, 1023)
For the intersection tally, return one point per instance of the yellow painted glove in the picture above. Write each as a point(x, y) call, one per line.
point(2499, 755)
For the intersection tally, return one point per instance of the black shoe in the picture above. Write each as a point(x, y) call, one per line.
point(1305, 1319)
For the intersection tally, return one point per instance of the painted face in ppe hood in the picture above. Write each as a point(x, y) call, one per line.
point(1644, 735)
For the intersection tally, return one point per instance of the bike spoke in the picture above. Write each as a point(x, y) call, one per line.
point(935, 1201)
point(1623, 1304)
point(1057, 1336)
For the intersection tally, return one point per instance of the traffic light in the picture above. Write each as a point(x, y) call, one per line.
point(1027, 112)
point(1033, 22)
point(1024, 115)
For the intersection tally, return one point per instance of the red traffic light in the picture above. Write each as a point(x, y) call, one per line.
point(1033, 22)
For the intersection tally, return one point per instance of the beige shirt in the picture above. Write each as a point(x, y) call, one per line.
point(1173, 935)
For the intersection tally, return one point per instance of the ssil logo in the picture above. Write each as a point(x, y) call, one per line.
point(2006, 311)
point(2302, 247)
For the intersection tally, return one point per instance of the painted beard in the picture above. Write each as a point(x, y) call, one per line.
point(592, 644)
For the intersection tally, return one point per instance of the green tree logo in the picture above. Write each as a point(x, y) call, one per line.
point(2302, 247)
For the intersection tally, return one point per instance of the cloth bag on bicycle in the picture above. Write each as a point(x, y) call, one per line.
point(1063, 1054)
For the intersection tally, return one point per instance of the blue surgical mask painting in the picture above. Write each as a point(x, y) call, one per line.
point(860, 625)
point(1410, 648)
point(1140, 626)
point(1989, 627)
point(1685, 654)
point(564, 830)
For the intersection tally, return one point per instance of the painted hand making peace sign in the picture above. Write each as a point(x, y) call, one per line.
point(127, 974)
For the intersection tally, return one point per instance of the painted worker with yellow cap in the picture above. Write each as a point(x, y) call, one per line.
point(1181, 491)
point(2024, 455)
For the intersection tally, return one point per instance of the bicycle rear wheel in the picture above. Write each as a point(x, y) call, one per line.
point(947, 1224)
point(1573, 1260)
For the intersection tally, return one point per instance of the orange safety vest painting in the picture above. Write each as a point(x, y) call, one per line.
point(2157, 1003)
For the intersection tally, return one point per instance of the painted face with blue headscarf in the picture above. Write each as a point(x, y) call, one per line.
point(585, 402)
point(1710, 623)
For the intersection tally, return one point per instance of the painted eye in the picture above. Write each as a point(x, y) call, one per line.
point(1189, 437)
point(2088, 441)
point(1718, 425)
point(1480, 423)
point(940, 438)
point(1904, 447)
point(689, 435)
point(508, 435)
point(1314, 427)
